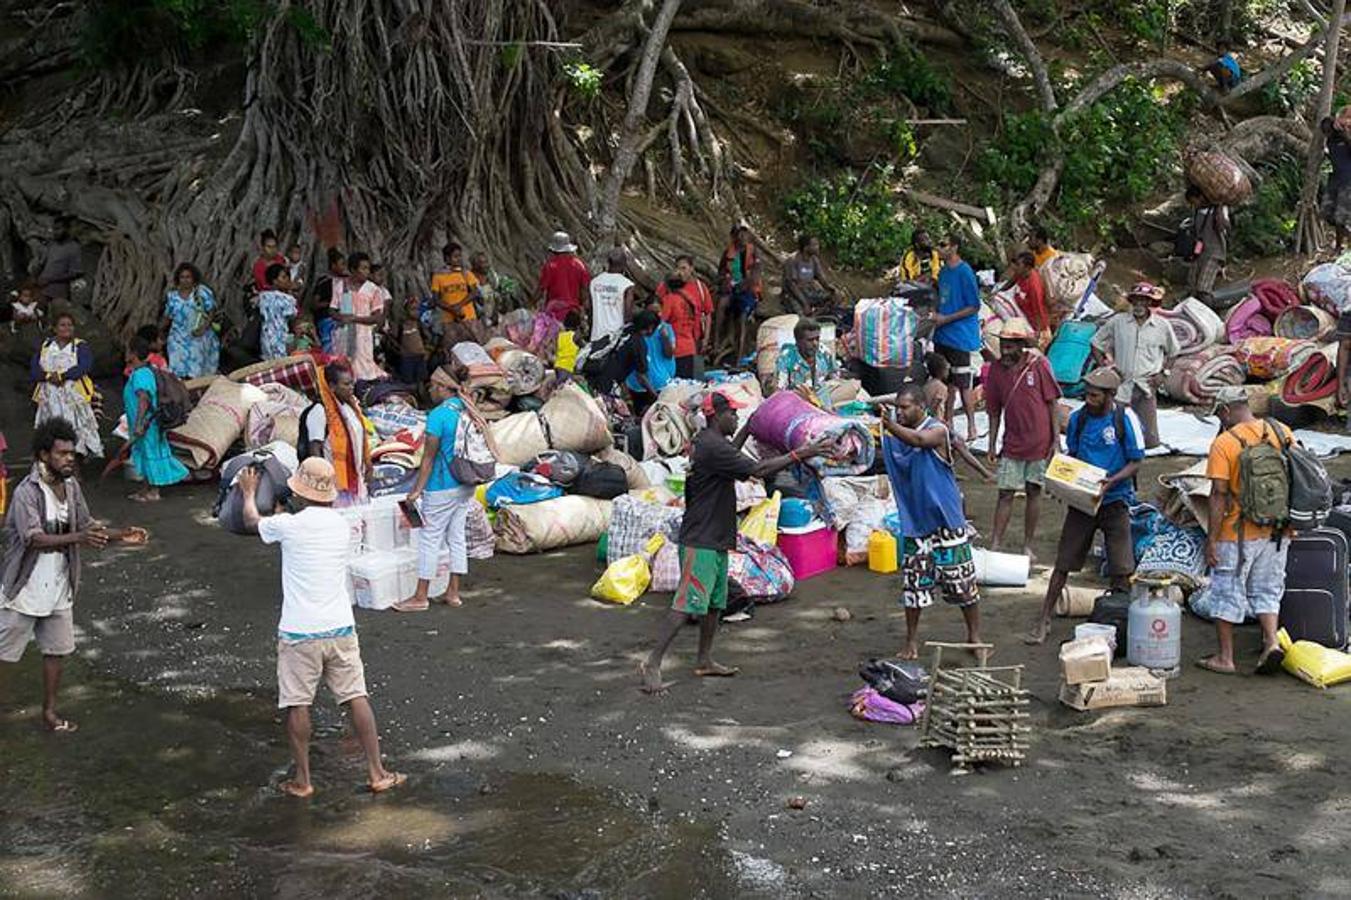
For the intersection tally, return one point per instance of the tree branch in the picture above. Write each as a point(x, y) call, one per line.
point(1028, 48)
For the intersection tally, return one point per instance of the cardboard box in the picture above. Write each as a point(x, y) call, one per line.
point(1074, 483)
point(1084, 661)
point(1128, 686)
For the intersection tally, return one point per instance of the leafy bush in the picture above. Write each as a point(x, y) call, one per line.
point(1265, 226)
point(123, 32)
point(906, 73)
point(854, 216)
point(1293, 92)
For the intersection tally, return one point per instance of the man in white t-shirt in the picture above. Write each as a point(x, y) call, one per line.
point(316, 636)
point(611, 297)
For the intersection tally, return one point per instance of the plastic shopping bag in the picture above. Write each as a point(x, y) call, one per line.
point(1318, 665)
point(762, 522)
point(627, 578)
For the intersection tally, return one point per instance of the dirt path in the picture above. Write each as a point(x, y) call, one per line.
point(1236, 788)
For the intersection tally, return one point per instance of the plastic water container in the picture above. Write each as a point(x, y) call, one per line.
point(1091, 630)
point(376, 579)
point(882, 552)
point(1000, 569)
point(1154, 628)
point(811, 550)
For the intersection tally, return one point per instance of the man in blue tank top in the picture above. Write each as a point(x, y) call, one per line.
point(936, 557)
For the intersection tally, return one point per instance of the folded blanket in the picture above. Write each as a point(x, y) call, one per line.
point(476, 359)
point(1176, 552)
point(395, 416)
point(1195, 325)
point(1312, 380)
point(1266, 358)
point(1275, 295)
point(1307, 323)
point(1328, 286)
point(275, 418)
point(562, 522)
point(1246, 319)
point(1196, 378)
point(787, 422)
point(668, 429)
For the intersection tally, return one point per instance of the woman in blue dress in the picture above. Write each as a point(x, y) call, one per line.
point(150, 451)
point(190, 318)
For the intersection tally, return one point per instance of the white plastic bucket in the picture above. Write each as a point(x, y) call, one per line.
point(1001, 569)
point(1092, 630)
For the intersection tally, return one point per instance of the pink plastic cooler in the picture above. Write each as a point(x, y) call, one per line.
point(810, 550)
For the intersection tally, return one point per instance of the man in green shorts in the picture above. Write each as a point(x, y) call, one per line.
point(708, 532)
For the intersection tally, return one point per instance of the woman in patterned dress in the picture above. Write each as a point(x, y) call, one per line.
point(190, 312)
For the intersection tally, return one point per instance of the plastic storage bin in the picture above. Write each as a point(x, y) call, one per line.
point(811, 550)
point(386, 527)
point(376, 580)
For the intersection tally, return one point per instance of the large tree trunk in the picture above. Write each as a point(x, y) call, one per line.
point(1309, 233)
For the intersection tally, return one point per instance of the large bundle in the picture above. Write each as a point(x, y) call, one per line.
point(276, 417)
point(633, 472)
point(296, 372)
point(885, 332)
point(772, 335)
point(1067, 276)
point(1265, 358)
point(668, 425)
point(1313, 380)
point(1245, 320)
point(216, 422)
point(1196, 378)
point(1221, 179)
point(524, 371)
point(551, 524)
point(1305, 323)
point(787, 422)
point(519, 438)
point(1195, 325)
point(574, 420)
point(1275, 295)
point(1329, 287)
point(633, 522)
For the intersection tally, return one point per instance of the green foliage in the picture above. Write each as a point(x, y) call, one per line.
point(855, 216)
point(584, 78)
point(1265, 226)
point(125, 32)
point(1295, 91)
point(908, 74)
point(1115, 153)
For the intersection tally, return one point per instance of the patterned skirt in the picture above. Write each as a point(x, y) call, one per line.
point(938, 563)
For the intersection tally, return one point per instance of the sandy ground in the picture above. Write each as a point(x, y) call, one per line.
point(537, 767)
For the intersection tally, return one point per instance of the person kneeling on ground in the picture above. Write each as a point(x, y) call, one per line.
point(708, 532)
point(316, 635)
point(1021, 393)
point(1107, 435)
point(1247, 560)
point(918, 452)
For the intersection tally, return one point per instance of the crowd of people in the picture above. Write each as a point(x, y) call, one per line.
point(626, 336)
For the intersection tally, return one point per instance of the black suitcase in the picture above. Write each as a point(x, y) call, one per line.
point(1314, 607)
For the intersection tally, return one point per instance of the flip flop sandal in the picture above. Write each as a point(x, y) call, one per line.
point(395, 780)
point(63, 726)
point(1208, 664)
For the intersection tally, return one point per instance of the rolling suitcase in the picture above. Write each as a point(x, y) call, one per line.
point(1314, 607)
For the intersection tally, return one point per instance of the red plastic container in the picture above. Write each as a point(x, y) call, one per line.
point(811, 550)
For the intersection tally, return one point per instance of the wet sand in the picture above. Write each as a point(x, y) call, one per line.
point(538, 768)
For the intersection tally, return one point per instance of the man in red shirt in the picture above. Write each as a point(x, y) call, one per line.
point(687, 304)
point(271, 255)
point(1029, 292)
point(563, 279)
point(1020, 393)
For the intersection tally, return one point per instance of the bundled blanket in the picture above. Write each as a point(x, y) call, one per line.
point(1307, 323)
point(1246, 319)
point(1312, 380)
point(296, 372)
point(1329, 287)
point(1266, 358)
point(787, 422)
point(216, 422)
point(276, 417)
point(574, 420)
point(392, 417)
point(1176, 552)
point(523, 370)
point(668, 425)
point(561, 522)
point(1195, 325)
point(1275, 295)
point(1196, 378)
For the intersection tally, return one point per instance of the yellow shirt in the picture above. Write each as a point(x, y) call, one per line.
point(566, 356)
point(452, 290)
point(912, 267)
point(1223, 464)
point(1039, 257)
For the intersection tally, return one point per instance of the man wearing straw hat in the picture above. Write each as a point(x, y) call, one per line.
point(316, 636)
point(1139, 345)
point(1020, 394)
point(563, 279)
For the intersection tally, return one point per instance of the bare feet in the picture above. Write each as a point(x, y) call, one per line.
point(1213, 664)
point(651, 677)
point(1031, 557)
point(54, 723)
point(1037, 633)
point(295, 789)
point(387, 783)
point(412, 604)
point(144, 497)
point(909, 651)
point(712, 669)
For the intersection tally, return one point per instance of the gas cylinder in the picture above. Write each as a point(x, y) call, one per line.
point(1154, 625)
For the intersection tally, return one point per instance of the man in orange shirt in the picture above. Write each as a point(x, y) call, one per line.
point(455, 288)
point(1247, 562)
point(687, 304)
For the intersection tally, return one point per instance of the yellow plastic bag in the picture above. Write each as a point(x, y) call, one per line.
point(762, 522)
point(1318, 665)
point(627, 578)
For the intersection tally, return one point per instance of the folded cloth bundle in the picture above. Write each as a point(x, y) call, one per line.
point(561, 522)
point(1312, 380)
point(574, 420)
point(296, 372)
point(1246, 319)
point(476, 359)
point(1308, 323)
point(1275, 295)
point(276, 417)
point(1329, 287)
point(1196, 378)
point(1195, 325)
point(1266, 358)
point(788, 422)
point(667, 430)
point(1176, 552)
point(524, 370)
point(395, 416)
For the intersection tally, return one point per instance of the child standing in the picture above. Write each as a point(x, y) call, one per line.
point(412, 345)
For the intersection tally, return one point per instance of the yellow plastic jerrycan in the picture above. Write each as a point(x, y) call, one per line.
point(882, 552)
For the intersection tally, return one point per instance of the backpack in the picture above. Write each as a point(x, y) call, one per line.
point(1310, 488)
point(471, 462)
point(173, 400)
point(1264, 481)
point(1185, 241)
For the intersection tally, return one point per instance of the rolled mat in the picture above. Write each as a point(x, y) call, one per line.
point(1267, 358)
point(1195, 325)
point(787, 422)
point(549, 524)
point(1245, 320)
point(1307, 323)
point(1312, 380)
point(216, 422)
point(1275, 295)
point(524, 370)
point(1196, 378)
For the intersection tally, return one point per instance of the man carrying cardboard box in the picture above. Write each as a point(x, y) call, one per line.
point(1107, 435)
